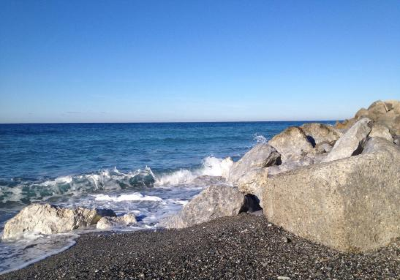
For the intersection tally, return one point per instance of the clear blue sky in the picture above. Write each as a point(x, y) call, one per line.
point(134, 61)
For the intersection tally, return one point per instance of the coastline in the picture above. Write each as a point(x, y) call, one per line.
point(243, 246)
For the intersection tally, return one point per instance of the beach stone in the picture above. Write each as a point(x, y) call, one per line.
point(250, 182)
point(318, 133)
point(49, 219)
point(212, 203)
point(323, 147)
point(379, 130)
point(110, 222)
point(291, 143)
point(350, 204)
point(351, 142)
point(261, 155)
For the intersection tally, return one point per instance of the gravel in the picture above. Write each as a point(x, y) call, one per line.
point(242, 247)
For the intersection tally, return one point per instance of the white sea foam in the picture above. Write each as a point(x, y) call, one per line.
point(126, 197)
point(260, 139)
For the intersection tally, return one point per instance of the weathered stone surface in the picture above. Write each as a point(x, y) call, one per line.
point(351, 142)
point(292, 142)
point(111, 222)
point(323, 147)
point(318, 133)
point(262, 155)
point(350, 204)
point(250, 182)
point(379, 130)
point(48, 219)
point(212, 203)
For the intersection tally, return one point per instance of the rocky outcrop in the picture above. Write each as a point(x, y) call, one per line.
point(292, 143)
point(48, 219)
point(262, 155)
point(212, 203)
point(381, 112)
point(380, 130)
point(351, 204)
point(106, 223)
point(351, 142)
point(318, 133)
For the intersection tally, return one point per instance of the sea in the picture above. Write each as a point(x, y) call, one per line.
point(148, 169)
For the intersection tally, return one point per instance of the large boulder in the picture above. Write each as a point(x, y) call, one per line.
point(318, 133)
point(48, 219)
point(291, 143)
point(262, 155)
point(382, 131)
point(212, 203)
point(106, 223)
point(351, 142)
point(350, 204)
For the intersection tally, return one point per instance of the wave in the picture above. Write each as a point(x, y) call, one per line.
point(28, 191)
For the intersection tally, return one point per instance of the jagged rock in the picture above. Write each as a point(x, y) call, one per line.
point(262, 155)
point(291, 143)
point(48, 219)
point(111, 222)
point(379, 130)
point(351, 142)
point(323, 147)
point(350, 204)
point(318, 133)
point(212, 203)
point(249, 183)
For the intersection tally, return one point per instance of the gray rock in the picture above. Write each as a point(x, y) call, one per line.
point(212, 203)
point(318, 133)
point(291, 143)
point(380, 130)
point(48, 219)
point(249, 183)
point(323, 147)
point(262, 155)
point(111, 222)
point(351, 142)
point(350, 204)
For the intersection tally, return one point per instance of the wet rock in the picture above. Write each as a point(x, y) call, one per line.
point(49, 219)
point(351, 142)
point(291, 143)
point(262, 155)
point(349, 204)
point(212, 203)
point(111, 222)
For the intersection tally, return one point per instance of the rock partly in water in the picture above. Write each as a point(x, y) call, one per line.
point(380, 130)
point(112, 222)
point(350, 204)
point(49, 219)
point(262, 155)
point(212, 203)
point(351, 143)
point(318, 133)
point(291, 143)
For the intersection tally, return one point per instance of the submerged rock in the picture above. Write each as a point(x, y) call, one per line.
point(291, 143)
point(48, 219)
point(110, 222)
point(351, 204)
point(262, 155)
point(351, 142)
point(212, 203)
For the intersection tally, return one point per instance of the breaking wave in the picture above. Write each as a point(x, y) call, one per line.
point(26, 191)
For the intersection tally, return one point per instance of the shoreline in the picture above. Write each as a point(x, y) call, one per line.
point(243, 246)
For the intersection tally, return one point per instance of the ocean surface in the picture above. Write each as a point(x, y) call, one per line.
point(149, 169)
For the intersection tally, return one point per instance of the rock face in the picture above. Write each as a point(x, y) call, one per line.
point(291, 143)
point(380, 112)
point(350, 204)
point(212, 203)
point(380, 130)
point(351, 142)
point(318, 133)
point(262, 155)
point(110, 222)
point(48, 219)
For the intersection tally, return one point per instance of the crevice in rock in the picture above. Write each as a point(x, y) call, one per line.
point(251, 204)
point(359, 150)
point(311, 140)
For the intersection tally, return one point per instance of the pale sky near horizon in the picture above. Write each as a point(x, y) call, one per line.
point(154, 61)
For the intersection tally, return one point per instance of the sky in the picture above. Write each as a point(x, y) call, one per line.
point(168, 61)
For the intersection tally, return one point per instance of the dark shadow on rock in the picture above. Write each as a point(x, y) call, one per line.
point(251, 204)
point(311, 140)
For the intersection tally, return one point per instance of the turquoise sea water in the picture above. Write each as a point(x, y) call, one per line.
point(150, 170)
